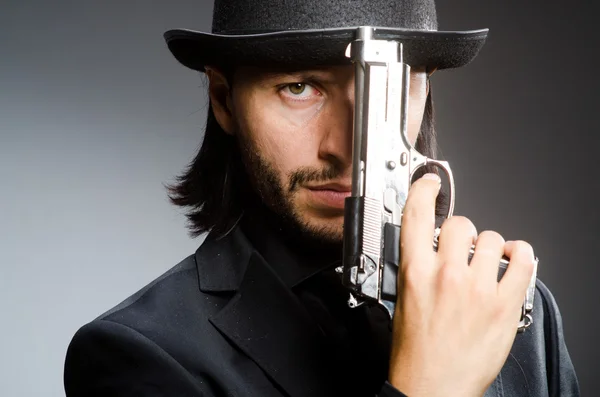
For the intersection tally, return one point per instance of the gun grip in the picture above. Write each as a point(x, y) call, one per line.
point(353, 234)
point(391, 261)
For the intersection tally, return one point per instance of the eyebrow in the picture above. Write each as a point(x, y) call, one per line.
point(301, 75)
point(314, 74)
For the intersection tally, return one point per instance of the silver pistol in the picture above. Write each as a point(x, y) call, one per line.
point(383, 165)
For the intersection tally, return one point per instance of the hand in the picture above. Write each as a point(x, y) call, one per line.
point(454, 324)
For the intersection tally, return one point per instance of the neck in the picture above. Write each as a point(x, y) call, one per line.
point(263, 226)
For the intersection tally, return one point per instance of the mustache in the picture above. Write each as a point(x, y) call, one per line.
point(307, 174)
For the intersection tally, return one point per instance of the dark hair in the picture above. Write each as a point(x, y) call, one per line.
point(214, 186)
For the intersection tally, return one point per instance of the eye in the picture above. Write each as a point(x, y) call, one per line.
point(299, 90)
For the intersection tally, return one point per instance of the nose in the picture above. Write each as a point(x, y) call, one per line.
point(336, 143)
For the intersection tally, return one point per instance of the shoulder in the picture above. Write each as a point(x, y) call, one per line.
point(110, 358)
point(182, 300)
point(162, 312)
point(148, 340)
point(548, 324)
point(545, 296)
point(182, 273)
point(546, 321)
point(533, 342)
point(168, 302)
point(539, 360)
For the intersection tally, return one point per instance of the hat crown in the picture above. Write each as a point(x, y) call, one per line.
point(261, 16)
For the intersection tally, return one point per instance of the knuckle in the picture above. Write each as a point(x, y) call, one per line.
point(413, 277)
point(528, 267)
point(450, 277)
point(491, 238)
point(523, 248)
point(413, 217)
point(413, 212)
point(523, 253)
point(481, 292)
point(459, 224)
point(500, 310)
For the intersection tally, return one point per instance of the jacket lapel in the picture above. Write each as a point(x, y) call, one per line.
point(264, 319)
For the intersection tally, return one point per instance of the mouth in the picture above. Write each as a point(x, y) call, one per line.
point(332, 195)
point(335, 187)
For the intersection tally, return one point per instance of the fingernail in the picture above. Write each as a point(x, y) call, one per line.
point(433, 177)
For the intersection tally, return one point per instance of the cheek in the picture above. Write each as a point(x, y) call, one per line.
point(281, 145)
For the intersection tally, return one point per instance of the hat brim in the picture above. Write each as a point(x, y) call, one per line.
point(322, 47)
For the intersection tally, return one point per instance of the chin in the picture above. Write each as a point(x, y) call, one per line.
point(323, 223)
point(330, 228)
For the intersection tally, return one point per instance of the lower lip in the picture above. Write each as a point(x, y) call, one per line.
point(330, 198)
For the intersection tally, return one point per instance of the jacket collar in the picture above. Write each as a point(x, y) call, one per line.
point(222, 262)
point(292, 257)
point(264, 318)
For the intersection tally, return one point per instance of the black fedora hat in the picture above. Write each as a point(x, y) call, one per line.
point(300, 33)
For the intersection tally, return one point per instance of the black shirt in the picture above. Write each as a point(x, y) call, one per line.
point(358, 339)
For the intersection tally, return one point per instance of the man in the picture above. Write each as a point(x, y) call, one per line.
point(259, 310)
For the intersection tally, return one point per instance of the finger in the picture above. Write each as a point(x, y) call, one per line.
point(418, 220)
point(457, 235)
point(489, 249)
point(515, 281)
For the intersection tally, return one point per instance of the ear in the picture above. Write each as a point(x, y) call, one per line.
point(220, 98)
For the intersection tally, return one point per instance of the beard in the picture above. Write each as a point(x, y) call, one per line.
point(275, 199)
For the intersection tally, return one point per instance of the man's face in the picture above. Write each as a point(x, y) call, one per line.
point(295, 134)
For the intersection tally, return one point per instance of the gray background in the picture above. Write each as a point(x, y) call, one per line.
point(95, 116)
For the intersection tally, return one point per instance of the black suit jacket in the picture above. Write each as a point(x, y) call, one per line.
point(222, 323)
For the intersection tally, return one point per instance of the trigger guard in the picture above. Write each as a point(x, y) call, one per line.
point(446, 168)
